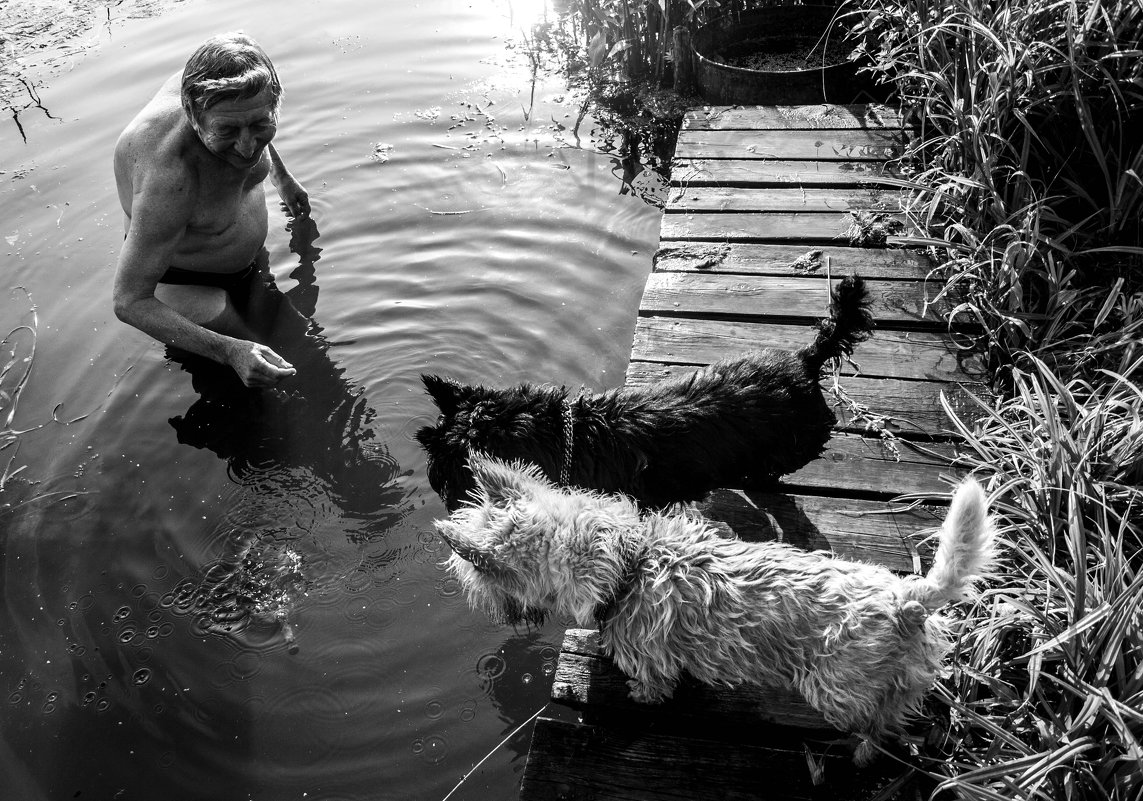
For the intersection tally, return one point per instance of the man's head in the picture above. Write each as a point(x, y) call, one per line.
point(229, 66)
point(231, 95)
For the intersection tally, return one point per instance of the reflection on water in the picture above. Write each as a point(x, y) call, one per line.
point(228, 594)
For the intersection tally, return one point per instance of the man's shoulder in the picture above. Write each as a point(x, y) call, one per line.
point(159, 124)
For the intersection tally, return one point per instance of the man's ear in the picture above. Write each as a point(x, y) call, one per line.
point(501, 482)
point(445, 392)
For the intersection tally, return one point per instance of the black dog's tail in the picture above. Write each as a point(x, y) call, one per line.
point(849, 323)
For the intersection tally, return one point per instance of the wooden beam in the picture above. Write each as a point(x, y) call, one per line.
point(808, 117)
point(585, 678)
point(892, 354)
point(718, 198)
point(576, 762)
point(778, 173)
point(870, 466)
point(900, 406)
point(824, 145)
point(703, 744)
point(880, 532)
point(703, 294)
point(824, 227)
point(783, 259)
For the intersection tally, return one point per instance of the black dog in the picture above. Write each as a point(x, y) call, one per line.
point(739, 422)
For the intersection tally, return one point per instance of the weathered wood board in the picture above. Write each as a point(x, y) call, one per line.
point(892, 354)
point(839, 144)
point(791, 259)
point(900, 405)
point(706, 743)
point(685, 200)
point(688, 172)
point(893, 303)
point(781, 226)
point(807, 117)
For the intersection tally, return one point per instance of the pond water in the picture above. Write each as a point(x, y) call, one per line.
point(216, 594)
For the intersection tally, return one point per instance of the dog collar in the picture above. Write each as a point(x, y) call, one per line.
point(569, 439)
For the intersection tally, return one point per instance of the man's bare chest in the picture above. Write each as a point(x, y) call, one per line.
point(223, 202)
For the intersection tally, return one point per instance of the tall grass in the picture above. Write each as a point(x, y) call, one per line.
point(1048, 698)
point(1029, 161)
point(1028, 181)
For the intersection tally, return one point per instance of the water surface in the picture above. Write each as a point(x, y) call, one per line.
point(214, 594)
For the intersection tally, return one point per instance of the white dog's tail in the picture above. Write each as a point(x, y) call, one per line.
point(966, 551)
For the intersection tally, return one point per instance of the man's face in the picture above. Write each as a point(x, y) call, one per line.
point(237, 131)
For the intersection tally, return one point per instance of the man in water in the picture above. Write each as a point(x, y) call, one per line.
point(190, 170)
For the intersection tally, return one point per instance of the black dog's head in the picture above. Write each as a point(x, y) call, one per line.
point(521, 422)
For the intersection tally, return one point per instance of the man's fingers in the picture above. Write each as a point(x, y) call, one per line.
point(273, 366)
point(302, 205)
point(272, 358)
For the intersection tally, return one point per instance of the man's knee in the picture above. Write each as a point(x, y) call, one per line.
point(207, 306)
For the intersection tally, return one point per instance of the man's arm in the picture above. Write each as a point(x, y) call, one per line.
point(160, 213)
point(296, 198)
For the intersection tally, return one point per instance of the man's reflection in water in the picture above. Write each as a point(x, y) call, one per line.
point(314, 427)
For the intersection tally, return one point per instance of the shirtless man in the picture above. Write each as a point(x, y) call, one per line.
point(190, 170)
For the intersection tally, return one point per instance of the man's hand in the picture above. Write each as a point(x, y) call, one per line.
point(258, 366)
point(294, 197)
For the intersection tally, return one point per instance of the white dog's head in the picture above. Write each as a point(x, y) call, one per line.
point(525, 548)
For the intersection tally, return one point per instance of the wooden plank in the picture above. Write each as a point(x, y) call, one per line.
point(891, 302)
point(749, 172)
point(577, 762)
point(719, 198)
point(704, 743)
point(880, 532)
point(900, 406)
point(808, 117)
point(825, 145)
point(776, 226)
point(782, 259)
point(871, 466)
point(892, 354)
point(586, 678)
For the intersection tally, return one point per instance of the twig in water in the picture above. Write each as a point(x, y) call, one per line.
point(515, 731)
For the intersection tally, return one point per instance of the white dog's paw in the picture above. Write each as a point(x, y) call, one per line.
point(865, 754)
point(646, 693)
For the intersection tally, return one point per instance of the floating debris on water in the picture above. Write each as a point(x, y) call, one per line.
point(381, 153)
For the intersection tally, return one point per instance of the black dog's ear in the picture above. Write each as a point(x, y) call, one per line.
point(444, 391)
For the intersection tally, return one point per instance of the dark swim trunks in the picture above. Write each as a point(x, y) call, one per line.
point(228, 281)
point(237, 285)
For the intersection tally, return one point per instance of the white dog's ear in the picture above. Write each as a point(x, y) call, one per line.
point(483, 559)
point(500, 482)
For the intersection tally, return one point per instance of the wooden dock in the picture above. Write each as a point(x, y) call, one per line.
point(766, 204)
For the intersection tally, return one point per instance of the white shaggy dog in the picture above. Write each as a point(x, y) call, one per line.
point(670, 594)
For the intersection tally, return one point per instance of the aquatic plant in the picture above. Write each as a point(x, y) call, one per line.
point(17, 352)
point(1027, 186)
point(41, 38)
point(14, 374)
point(1046, 697)
point(1029, 164)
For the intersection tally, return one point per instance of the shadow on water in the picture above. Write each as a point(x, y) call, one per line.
point(303, 451)
point(518, 680)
